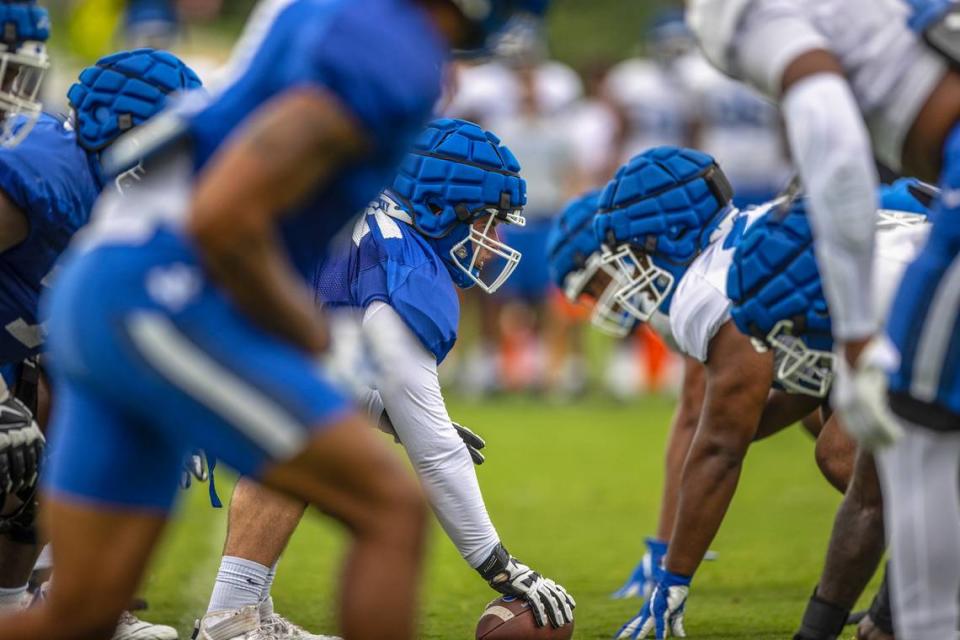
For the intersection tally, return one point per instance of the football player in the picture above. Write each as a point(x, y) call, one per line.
point(577, 268)
point(431, 231)
point(906, 92)
point(774, 282)
point(667, 217)
point(836, 99)
point(49, 179)
point(183, 319)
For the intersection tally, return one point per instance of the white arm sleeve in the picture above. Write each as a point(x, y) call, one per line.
point(412, 398)
point(832, 152)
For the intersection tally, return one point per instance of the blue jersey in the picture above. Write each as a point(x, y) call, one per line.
point(53, 183)
point(381, 59)
point(386, 259)
point(924, 323)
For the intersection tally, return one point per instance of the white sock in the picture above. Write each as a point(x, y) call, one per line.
point(12, 599)
point(239, 584)
point(44, 560)
point(266, 602)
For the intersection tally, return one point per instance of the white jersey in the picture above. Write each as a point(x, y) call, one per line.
point(700, 304)
point(739, 128)
point(655, 104)
point(890, 70)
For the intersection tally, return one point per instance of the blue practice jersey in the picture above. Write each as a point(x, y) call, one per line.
point(53, 183)
point(386, 259)
point(381, 59)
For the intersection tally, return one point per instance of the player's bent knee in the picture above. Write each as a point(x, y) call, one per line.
point(836, 464)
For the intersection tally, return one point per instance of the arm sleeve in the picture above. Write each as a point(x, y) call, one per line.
point(412, 398)
point(832, 152)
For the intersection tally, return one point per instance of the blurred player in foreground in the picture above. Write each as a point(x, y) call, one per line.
point(50, 178)
point(420, 240)
point(185, 303)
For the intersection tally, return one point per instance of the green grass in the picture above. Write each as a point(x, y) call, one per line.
point(573, 490)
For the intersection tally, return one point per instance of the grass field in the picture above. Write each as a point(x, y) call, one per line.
point(572, 489)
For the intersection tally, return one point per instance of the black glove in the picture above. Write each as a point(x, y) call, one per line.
point(473, 441)
point(21, 450)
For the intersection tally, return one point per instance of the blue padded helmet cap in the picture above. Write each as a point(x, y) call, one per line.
point(123, 91)
point(774, 277)
point(23, 22)
point(572, 241)
point(902, 196)
point(666, 200)
point(454, 174)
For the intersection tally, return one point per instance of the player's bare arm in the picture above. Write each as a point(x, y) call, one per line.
point(293, 144)
point(783, 410)
point(738, 380)
point(13, 224)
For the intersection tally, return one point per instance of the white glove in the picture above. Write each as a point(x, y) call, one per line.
point(548, 600)
point(860, 395)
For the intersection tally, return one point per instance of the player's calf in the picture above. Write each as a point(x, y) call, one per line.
point(349, 474)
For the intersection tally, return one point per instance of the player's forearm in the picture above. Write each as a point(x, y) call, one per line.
point(783, 410)
point(832, 151)
point(413, 400)
point(709, 481)
point(259, 280)
point(682, 430)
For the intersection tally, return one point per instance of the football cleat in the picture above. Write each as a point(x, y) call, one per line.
point(131, 627)
point(276, 627)
point(241, 624)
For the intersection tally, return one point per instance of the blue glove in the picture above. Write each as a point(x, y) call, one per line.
point(924, 13)
point(647, 572)
point(662, 613)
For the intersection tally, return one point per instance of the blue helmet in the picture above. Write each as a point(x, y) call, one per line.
point(124, 90)
point(656, 216)
point(457, 184)
point(774, 285)
point(489, 17)
point(23, 64)
point(578, 268)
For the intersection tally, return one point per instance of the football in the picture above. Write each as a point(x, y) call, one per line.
point(510, 618)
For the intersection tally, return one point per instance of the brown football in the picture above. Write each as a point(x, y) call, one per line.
point(510, 618)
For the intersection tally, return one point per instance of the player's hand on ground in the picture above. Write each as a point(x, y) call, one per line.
point(860, 395)
point(661, 615)
point(473, 442)
point(21, 449)
point(646, 573)
point(549, 602)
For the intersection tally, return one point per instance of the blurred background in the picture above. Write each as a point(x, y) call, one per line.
point(575, 98)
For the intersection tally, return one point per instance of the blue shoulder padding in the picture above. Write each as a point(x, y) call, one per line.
point(125, 90)
point(22, 22)
point(774, 277)
point(898, 197)
point(572, 241)
point(664, 200)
